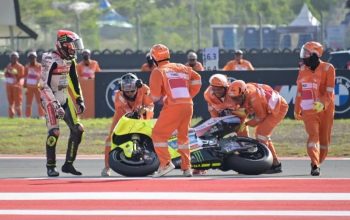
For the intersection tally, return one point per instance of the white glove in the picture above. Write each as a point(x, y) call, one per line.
point(59, 111)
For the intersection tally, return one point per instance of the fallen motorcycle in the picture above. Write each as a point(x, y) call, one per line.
point(213, 143)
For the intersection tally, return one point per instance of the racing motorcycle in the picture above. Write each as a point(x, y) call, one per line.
point(213, 145)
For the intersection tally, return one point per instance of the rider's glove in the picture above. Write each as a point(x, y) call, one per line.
point(318, 106)
point(81, 105)
point(59, 111)
point(297, 116)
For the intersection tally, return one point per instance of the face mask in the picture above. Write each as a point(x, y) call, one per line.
point(86, 57)
point(312, 62)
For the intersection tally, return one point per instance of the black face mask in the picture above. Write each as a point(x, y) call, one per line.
point(312, 62)
point(86, 57)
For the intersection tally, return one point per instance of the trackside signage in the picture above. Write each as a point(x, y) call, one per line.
point(283, 81)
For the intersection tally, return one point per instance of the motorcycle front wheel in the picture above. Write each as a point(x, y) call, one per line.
point(132, 167)
point(253, 159)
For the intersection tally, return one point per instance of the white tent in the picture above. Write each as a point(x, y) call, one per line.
point(305, 18)
point(11, 25)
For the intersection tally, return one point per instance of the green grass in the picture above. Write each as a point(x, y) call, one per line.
point(28, 136)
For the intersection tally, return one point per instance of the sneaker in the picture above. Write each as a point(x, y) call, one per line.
point(69, 168)
point(275, 168)
point(188, 173)
point(199, 172)
point(52, 172)
point(315, 170)
point(106, 172)
point(164, 170)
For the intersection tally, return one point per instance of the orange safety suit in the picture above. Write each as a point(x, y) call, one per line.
point(14, 74)
point(318, 86)
point(122, 106)
point(217, 105)
point(87, 71)
point(32, 74)
point(269, 109)
point(177, 85)
point(242, 65)
point(145, 68)
point(197, 67)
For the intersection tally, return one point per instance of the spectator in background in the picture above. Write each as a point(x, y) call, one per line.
point(87, 67)
point(14, 73)
point(238, 63)
point(192, 62)
point(32, 74)
point(149, 65)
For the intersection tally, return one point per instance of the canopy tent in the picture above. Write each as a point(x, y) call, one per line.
point(111, 17)
point(11, 26)
point(304, 19)
point(303, 28)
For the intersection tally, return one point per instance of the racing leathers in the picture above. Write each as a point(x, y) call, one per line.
point(224, 106)
point(57, 76)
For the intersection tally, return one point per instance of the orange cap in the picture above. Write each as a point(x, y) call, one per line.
point(237, 88)
point(160, 52)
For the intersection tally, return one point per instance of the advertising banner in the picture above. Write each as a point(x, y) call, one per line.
point(283, 81)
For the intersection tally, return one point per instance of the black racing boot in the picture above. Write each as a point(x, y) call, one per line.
point(52, 171)
point(315, 170)
point(69, 168)
point(275, 168)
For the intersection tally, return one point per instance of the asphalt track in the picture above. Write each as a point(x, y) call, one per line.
point(26, 193)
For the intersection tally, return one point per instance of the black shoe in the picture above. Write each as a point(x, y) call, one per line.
point(52, 172)
point(69, 168)
point(315, 170)
point(277, 168)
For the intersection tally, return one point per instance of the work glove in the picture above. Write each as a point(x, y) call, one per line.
point(318, 106)
point(297, 116)
point(59, 111)
point(242, 127)
point(81, 105)
point(240, 112)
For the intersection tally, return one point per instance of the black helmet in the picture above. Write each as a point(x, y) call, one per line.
point(130, 82)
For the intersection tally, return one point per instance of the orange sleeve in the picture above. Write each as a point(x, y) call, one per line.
point(330, 84)
point(195, 83)
point(118, 113)
point(148, 102)
point(98, 69)
point(259, 111)
point(26, 71)
point(201, 67)
point(20, 71)
point(156, 84)
point(79, 69)
point(297, 107)
point(250, 66)
point(211, 109)
point(228, 66)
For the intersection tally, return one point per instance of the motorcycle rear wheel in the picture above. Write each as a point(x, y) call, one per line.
point(132, 168)
point(254, 159)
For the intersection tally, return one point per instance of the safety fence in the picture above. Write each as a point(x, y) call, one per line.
point(128, 59)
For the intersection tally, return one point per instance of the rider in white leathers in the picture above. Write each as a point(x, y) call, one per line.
point(59, 73)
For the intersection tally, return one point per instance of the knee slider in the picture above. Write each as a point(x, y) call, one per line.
point(52, 137)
